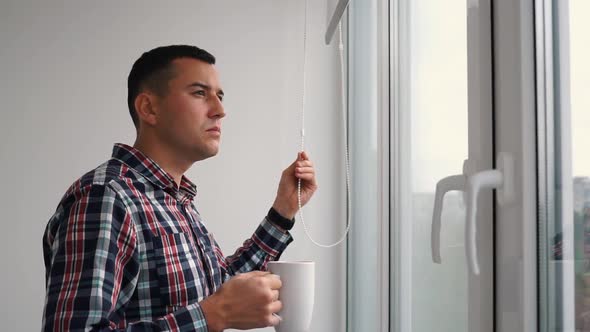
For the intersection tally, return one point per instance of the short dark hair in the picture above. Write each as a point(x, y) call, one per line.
point(154, 69)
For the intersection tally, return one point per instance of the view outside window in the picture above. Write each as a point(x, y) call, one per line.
point(566, 288)
point(439, 145)
point(579, 15)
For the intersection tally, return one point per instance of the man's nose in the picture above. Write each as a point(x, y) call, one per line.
point(217, 109)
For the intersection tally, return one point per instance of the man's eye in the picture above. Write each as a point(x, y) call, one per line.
point(220, 97)
point(199, 92)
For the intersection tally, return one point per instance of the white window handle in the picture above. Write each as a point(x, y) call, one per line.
point(454, 182)
point(501, 179)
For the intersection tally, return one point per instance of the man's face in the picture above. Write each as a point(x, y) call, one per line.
point(189, 117)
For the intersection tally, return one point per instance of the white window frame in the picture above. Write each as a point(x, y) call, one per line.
point(523, 104)
point(368, 243)
point(480, 154)
point(516, 224)
point(556, 278)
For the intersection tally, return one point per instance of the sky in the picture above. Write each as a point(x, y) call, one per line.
point(438, 54)
point(580, 85)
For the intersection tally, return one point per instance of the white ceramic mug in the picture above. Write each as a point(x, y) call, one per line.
point(296, 294)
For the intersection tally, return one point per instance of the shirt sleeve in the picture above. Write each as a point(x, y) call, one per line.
point(92, 264)
point(266, 244)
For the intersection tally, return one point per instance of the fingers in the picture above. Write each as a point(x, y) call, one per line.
point(274, 320)
point(275, 295)
point(274, 281)
point(302, 156)
point(254, 274)
point(303, 163)
point(303, 167)
point(307, 178)
point(276, 306)
point(304, 170)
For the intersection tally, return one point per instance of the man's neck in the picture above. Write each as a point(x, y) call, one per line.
point(165, 157)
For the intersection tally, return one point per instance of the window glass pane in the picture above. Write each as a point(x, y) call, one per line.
point(566, 264)
point(439, 144)
point(580, 135)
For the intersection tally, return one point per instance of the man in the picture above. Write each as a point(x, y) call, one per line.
point(126, 249)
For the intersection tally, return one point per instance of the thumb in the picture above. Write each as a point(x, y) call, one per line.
point(255, 274)
point(302, 155)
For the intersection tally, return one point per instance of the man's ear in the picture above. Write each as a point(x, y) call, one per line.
point(146, 108)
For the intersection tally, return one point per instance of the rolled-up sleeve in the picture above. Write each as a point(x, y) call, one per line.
point(266, 244)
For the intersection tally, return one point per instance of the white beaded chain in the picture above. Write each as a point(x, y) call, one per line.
point(346, 157)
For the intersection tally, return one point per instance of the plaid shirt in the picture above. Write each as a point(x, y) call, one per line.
point(126, 250)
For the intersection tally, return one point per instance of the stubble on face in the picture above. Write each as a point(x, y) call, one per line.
point(190, 111)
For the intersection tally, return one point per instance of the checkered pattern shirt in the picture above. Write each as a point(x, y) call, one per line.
point(126, 250)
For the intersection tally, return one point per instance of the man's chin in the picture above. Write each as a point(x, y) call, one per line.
point(202, 155)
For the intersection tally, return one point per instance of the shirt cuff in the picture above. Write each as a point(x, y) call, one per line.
point(271, 239)
point(189, 318)
point(277, 219)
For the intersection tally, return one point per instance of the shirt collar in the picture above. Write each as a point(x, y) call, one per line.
point(149, 169)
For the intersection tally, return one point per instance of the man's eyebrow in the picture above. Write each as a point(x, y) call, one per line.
point(205, 86)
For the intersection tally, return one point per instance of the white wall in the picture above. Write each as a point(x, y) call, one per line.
point(63, 68)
